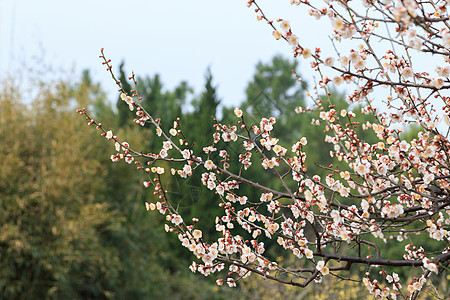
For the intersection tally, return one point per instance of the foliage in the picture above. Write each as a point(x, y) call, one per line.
point(72, 224)
point(51, 233)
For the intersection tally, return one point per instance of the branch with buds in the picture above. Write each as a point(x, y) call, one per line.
point(391, 190)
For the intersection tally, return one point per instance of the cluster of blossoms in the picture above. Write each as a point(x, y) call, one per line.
point(390, 188)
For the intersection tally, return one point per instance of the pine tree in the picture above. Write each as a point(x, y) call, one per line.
point(200, 128)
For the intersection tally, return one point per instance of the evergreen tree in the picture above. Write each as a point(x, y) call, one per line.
point(164, 104)
point(275, 92)
point(205, 111)
point(199, 127)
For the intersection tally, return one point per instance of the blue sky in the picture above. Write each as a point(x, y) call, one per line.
point(177, 39)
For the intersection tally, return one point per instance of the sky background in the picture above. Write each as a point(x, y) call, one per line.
point(178, 39)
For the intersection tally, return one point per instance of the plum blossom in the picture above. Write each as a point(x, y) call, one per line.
point(309, 254)
point(322, 268)
point(285, 26)
point(209, 165)
point(173, 131)
point(337, 24)
point(293, 40)
point(392, 210)
point(276, 34)
point(109, 135)
point(176, 219)
point(362, 168)
point(238, 112)
point(186, 153)
point(197, 234)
